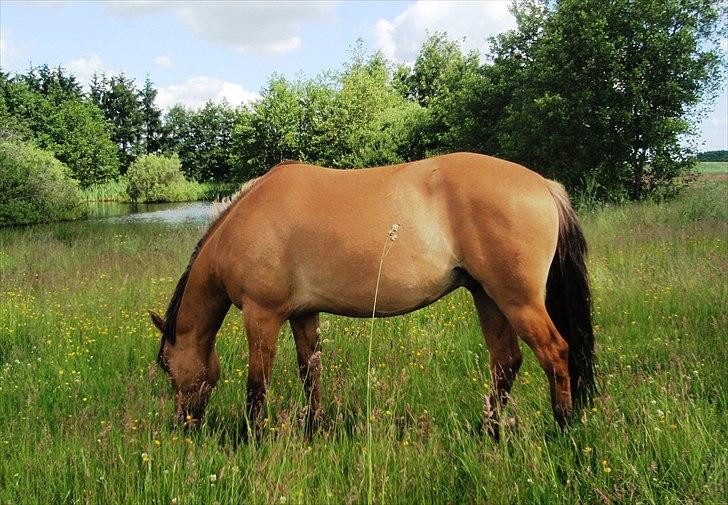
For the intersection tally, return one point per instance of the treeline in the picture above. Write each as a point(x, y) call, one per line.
point(713, 156)
point(598, 95)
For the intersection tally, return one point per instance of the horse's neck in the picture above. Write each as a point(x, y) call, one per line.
point(203, 306)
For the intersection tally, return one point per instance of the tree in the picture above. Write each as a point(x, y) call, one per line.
point(370, 123)
point(202, 139)
point(122, 109)
point(74, 130)
point(270, 131)
point(97, 88)
point(151, 118)
point(78, 135)
point(35, 187)
point(603, 93)
point(452, 88)
point(429, 78)
point(52, 81)
point(721, 155)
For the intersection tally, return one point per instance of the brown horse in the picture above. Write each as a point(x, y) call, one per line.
point(304, 239)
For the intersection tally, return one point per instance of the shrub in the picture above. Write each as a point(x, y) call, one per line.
point(35, 187)
point(154, 178)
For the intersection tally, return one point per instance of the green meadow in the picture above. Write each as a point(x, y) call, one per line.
point(712, 167)
point(85, 414)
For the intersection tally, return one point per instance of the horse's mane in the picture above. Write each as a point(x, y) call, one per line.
point(221, 209)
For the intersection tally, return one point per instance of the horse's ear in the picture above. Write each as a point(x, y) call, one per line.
point(158, 322)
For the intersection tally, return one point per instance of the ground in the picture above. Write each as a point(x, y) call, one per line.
point(85, 414)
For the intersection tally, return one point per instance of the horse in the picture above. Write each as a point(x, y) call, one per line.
point(304, 239)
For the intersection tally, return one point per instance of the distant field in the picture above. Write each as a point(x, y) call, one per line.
point(712, 167)
point(85, 415)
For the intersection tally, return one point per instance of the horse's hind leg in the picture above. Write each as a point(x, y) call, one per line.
point(505, 357)
point(262, 327)
point(533, 324)
point(305, 332)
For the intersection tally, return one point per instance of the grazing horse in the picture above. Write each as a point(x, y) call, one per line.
point(303, 239)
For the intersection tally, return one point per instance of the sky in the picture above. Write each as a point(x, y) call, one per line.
point(196, 51)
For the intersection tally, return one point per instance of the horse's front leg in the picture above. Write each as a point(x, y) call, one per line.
point(305, 332)
point(262, 327)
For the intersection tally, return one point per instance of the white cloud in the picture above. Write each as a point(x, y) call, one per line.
point(259, 27)
point(195, 92)
point(164, 61)
point(134, 8)
point(51, 4)
point(4, 50)
point(401, 38)
point(7, 53)
point(84, 68)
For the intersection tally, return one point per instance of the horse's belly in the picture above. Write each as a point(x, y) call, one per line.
point(399, 296)
point(404, 285)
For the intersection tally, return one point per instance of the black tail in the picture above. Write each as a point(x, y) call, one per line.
point(568, 299)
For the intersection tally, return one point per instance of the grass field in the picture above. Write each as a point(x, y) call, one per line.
point(712, 167)
point(85, 415)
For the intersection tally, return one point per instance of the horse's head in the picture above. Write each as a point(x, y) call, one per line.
point(191, 379)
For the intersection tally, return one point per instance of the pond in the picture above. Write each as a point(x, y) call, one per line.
point(121, 217)
point(162, 213)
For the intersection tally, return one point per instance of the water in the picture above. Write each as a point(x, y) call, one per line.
point(162, 213)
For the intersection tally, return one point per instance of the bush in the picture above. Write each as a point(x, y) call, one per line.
point(35, 187)
point(153, 178)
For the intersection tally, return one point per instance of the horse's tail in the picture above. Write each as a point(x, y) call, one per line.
point(568, 298)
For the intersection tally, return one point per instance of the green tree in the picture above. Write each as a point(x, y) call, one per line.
point(430, 75)
point(123, 110)
point(602, 93)
point(370, 123)
point(202, 139)
point(74, 130)
point(17, 104)
point(52, 81)
point(35, 186)
point(270, 131)
point(154, 178)
point(721, 155)
point(77, 133)
point(452, 87)
point(151, 119)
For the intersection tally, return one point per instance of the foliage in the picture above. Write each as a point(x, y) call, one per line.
point(118, 98)
point(370, 123)
point(75, 131)
point(353, 119)
point(151, 119)
point(35, 186)
point(713, 156)
point(604, 90)
point(156, 178)
point(202, 139)
point(59, 120)
point(273, 130)
point(603, 97)
point(451, 86)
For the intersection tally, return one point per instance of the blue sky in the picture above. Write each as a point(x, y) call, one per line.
point(195, 51)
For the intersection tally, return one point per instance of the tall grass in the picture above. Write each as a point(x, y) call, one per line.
point(115, 191)
point(85, 415)
point(111, 191)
